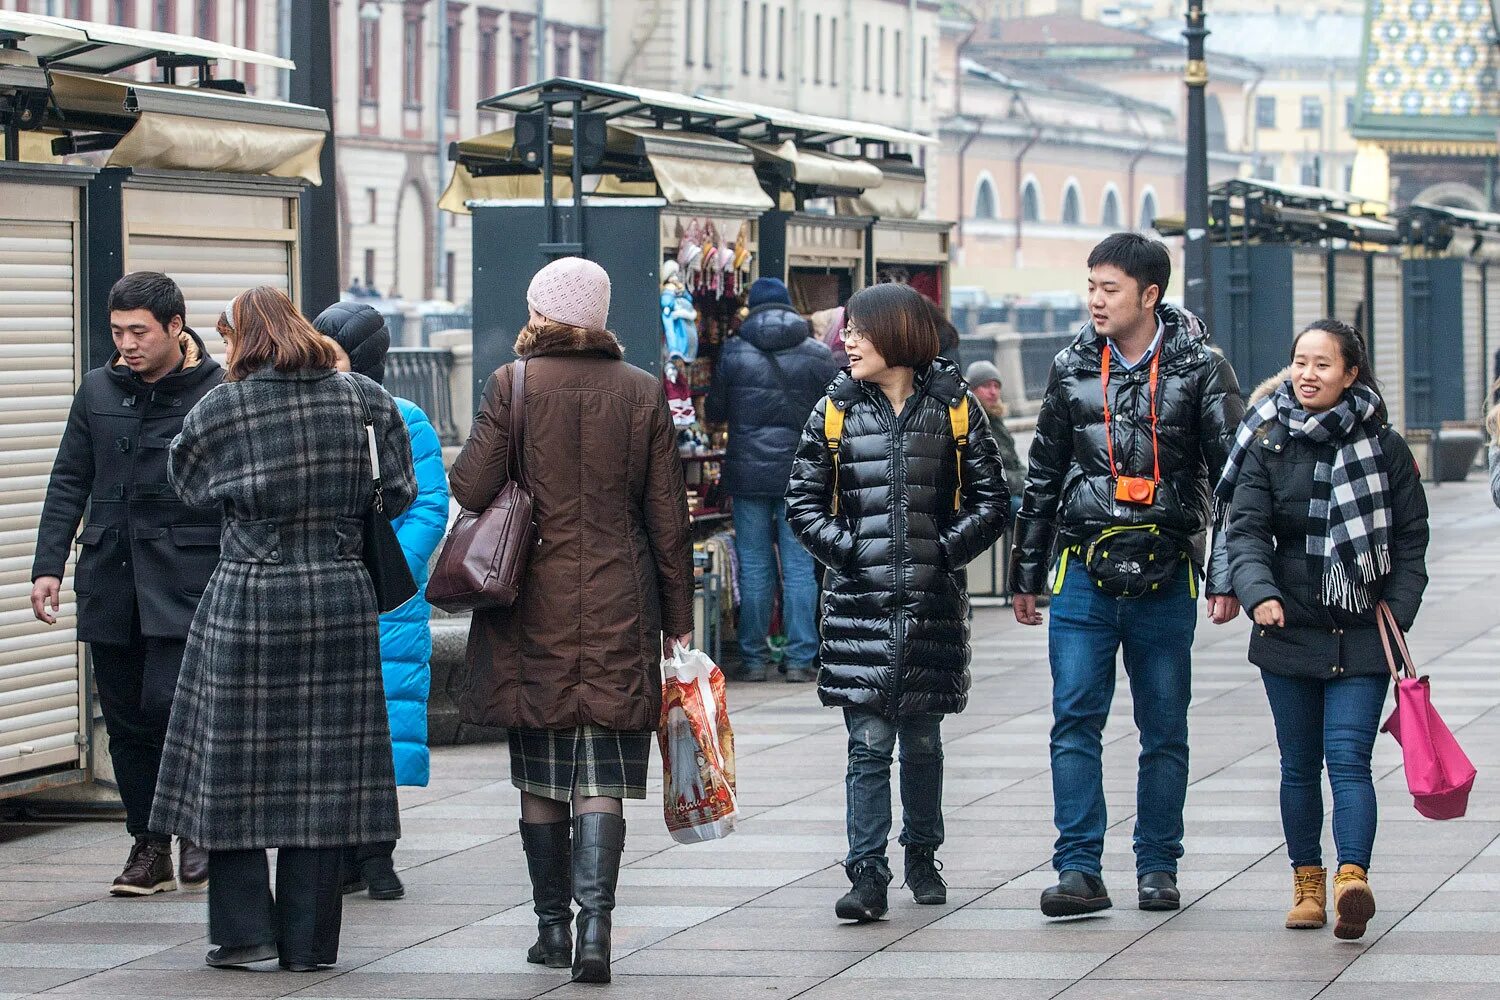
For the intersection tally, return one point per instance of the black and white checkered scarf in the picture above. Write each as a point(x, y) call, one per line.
point(1351, 506)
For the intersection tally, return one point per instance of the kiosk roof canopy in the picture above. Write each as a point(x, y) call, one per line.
point(105, 48)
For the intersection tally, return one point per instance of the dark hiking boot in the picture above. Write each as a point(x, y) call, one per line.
point(379, 875)
point(192, 865)
point(1074, 895)
point(801, 674)
point(148, 870)
point(752, 675)
point(1158, 891)
point(549, 860)
point(229, 958)
point(865, 902)
point(598, 840)
point(922, 878)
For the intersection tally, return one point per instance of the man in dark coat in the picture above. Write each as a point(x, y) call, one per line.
point(1119, 496)
point(146, 556)
point(767, 381)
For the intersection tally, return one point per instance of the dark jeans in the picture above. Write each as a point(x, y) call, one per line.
point(1088, 629)
point(761, 534)
point(304, 918)
point(867, 785)
point(136, 683)
point(1319, 720)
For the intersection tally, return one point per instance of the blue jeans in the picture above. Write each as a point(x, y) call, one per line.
point(1088, 628)
point(760, 530)
point(867, 785)
point(1319, 720)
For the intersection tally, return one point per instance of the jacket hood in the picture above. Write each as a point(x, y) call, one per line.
point(360, 329)
point(941, 380)
point(195, 359)
point(1182, 332)
point(1270, 385)
point(555, 338)
point(774, 326)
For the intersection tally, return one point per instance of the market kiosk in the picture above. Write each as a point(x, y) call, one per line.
point(193, 179)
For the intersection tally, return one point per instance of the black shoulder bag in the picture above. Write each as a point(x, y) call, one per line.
point(382, 554)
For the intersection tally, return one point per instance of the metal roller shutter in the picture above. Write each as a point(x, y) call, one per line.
point(41, 696)
point(1309, 290)
point(1349, 288)
point(1492, 321)
point(1387, 337)
point(1475, 391)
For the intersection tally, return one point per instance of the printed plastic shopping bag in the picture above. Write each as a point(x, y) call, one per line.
point(697, 749)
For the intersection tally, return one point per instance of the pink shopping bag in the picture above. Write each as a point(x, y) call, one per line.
point(1438, 773)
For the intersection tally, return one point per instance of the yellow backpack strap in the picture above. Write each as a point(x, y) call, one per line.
point(833, 433)
point(958, 417)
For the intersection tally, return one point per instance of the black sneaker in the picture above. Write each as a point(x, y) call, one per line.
point(1074, 895)
point(192, 865)
point(865, 902)
point(922, 878)
point(148, 870)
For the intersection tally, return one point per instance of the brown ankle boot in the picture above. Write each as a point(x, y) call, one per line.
point(1309, 898)
point(1353, 902)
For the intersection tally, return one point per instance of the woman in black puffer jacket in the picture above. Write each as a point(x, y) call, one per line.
point(885, 513)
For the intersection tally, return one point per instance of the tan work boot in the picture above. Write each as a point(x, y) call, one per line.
point(1353, 902)
point(1309, 898)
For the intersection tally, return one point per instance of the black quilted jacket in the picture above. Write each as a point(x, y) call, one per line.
point(1069, 491)
point(896, 607)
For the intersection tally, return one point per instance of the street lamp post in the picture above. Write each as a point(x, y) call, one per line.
point(1198, 295)
point(312, 84)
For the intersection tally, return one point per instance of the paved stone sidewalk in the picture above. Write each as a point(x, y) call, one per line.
point(753, 916)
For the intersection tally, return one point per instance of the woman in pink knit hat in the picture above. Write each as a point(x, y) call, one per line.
point(571, 669)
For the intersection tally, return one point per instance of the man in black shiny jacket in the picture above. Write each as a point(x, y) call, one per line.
point(1146, 461)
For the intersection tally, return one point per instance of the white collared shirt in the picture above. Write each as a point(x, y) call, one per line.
point(1127, 365)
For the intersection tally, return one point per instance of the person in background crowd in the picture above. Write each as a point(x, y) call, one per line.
point(827, 327)
point(361, 340)
point(1138, 414)
point(1492, 422)
point(984, 381)
point(572, 669)
point(948, 338)
point(895, 507)
point(1326, 518)
point(765, 384)
point(279, 738)
point(146, 556)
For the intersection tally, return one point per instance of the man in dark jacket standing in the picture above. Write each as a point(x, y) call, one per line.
point(146, 556)
point(1118, 495)
point(767, 381)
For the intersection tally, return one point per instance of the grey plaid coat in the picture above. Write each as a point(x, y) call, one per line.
point(278, 735)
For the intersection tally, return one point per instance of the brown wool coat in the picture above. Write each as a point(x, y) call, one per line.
point(613, 568)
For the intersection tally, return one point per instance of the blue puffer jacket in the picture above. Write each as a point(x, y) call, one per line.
point(405, 635)
point(767, 381)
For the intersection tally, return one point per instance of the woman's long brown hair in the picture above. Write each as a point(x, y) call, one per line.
point(267, 329)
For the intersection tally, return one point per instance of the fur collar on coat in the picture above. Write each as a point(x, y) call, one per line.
point(556, 338)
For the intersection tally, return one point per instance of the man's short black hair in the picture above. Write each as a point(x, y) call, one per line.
point(1144, 259)
point(149, 290)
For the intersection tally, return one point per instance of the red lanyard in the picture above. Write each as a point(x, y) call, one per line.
point(1109, 438)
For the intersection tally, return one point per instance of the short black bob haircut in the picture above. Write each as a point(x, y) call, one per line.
point(149, 290)
point(1144, 259)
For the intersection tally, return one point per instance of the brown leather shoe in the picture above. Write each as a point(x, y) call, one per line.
point(192, 865)
point(1353, 902)
point(1309, 898)
point(148, 871)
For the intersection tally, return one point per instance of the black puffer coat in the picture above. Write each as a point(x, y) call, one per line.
point(896, 608)
point(766, 382)
point(1267, 536)
point(1069, 491)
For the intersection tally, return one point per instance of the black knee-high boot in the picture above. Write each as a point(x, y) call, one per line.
point(598, 840)
point(549, 860)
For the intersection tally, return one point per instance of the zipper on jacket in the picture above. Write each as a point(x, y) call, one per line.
point(898, 550)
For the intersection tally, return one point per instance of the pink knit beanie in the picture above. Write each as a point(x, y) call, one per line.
point(571, 290)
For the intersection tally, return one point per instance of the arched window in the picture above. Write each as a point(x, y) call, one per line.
point(1148, 211)
point(1109, 216)
point(1072, 211)
point(1031, 202)
point(984, 200)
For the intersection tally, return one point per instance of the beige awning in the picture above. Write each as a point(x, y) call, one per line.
point(708, 182)
point(897, 198)
point(810, 166)
point(464, 187)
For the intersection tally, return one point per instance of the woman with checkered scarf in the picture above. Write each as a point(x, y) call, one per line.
point(1325, 517)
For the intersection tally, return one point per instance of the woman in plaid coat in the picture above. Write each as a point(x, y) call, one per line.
point(278, 735)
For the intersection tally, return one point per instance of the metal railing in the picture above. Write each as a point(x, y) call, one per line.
point(422, 375)
point(437, 322)
point(1037, 352)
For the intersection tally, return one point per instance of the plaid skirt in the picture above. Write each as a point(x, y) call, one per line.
point(595, 760)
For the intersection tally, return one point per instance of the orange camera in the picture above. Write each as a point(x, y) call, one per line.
point(1136, 490)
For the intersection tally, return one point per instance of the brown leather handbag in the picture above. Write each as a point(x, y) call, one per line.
point(484, 557)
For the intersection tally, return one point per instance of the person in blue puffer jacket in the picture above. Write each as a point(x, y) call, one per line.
point(405, 634)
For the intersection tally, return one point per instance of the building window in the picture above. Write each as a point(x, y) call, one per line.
point(1031, 202)
point(687, 31)
point(833, 51)
point(708, 34)
point(1349, 178)
point(897, 60)
point(765, 37)
point(450, 279)
point(781, 43)
point(1072, 210)
point(78, 10)
point(1148, 211)
point(1265, 112)
point(206, 18)
point(1312, 112)
point(370, 269)
point(164, 15)
point(1109, 216)
point(1265, 171)
point(817, 48)
point(520, 51)
point(1349, 111)
point(411, 57)
point(880, 62)
point(122, 13)
point(588, 55)
point(1312, 173)
point(372, 203)
point(867, 58)
point(745, 37)
point(923, 81)
point(984, 200)
point(454, 45)
point(562, 52)
point(369, 61)
point(489, 52)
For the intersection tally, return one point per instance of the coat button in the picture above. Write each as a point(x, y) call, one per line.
point(275, 553)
